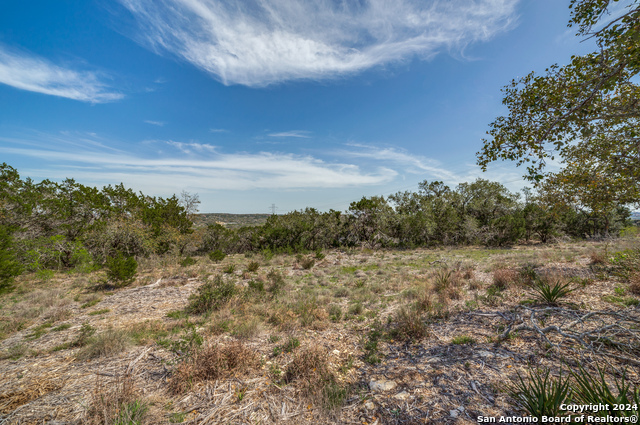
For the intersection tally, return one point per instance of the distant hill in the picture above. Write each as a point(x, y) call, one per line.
point(231, 221)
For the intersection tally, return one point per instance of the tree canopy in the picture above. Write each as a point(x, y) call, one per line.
point(586, 112)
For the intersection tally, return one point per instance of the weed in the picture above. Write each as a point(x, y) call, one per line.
point(247, 328)
point(319, 255)
point(624, 301)
point(504, 278)
point(38, 331)
point(62, 327)
point(230, 269)
point(98, 312)
point(371, 344)
point(442, 280)
point(256, 286)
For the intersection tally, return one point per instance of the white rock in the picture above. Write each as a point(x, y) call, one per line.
point(336, 352)
point(402, 396)
point(382, 385)
point(369, 405)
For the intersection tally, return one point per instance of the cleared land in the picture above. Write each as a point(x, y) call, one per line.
point(346, 336)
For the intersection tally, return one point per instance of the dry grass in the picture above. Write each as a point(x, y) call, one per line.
point(505, 278)
point(115, 402)
point(212, 362)
point(29, 391)
point(107, 343)
point(634, 284)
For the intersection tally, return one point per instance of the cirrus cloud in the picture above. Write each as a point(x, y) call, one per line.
point(29, 72)
point(261, 42)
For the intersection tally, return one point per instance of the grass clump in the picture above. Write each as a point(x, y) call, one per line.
point(98, 312)
point(307, 263)
point(211, 296)
point(309, 370)
point(188, 261)
point(409, 324)
point(463, 339)
point(107, 343)
point(276, 282)
point(212, 362)
point(230, 269)
point(116, 403)
point(253, 266)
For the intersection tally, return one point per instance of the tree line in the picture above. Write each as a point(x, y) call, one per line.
point(67, 225)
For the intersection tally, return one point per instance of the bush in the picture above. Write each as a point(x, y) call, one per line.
point(116, 403)
point(217, 255)
point(121, 269)
point(9, 266)
point(211, 296)
point(276, 281)
point(409, 324)
point(307, 263)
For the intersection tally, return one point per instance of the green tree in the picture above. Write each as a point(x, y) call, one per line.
point(587, 109)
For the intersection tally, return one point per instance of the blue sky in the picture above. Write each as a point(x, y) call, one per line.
point(252, 102)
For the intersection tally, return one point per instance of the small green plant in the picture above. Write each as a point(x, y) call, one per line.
point(256, 286)
point(188, 261)
point(319, 255)
point(62, 327)
point(291, 344)
point(551, 293)
point(335, 312)
point(253, 266)
point(98, 312)
point(91, 303)
point(409, 324)
point(276, 280)
point(217, 255)
point(121, 269)
point(38, 331)
point(212, 295)
point(371, 355)
point(540, 394)
point(230, 269)
point(463, 339)
point(442, 280)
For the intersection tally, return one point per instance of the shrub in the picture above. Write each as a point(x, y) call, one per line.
point(591, 388)
point(121, 269)
point(217, 255)
point(9, 266)
point(211, 296)
point(229, 269)
point(188, 261)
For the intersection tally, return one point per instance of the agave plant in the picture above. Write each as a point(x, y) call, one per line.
point(540, 394)
point(550, 293)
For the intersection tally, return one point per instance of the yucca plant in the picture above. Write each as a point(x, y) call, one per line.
point(594, 389)
point(540, 394)
point(551, 293)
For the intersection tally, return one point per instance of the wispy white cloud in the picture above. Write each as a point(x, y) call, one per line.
point(193, 165)
point(157, 123)
point(260, 42)
point(292, 133)
point(414, 164)
point(218, 130)
point(26, 71)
